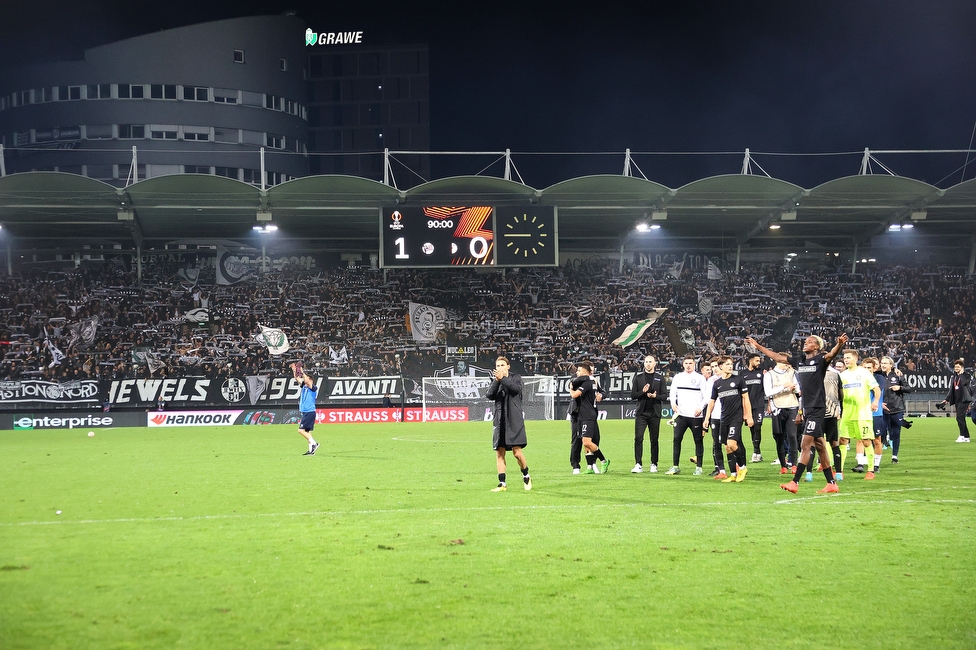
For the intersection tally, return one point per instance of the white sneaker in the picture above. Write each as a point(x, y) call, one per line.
point(596, 468)
point(698, 471)
point(962, 439)
point(775, 462)
point(637, 469)
point(576, 470)
point(754, 458)
point(653, 469)
point(966, 440)
point(759, 458)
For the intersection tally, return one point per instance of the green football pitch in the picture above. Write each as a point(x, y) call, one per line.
point(389, 537)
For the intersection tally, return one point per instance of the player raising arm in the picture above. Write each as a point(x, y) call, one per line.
point(811, 368)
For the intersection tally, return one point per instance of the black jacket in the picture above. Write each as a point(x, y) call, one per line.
point(964, 393)
point(509, 429)
point(649, 404)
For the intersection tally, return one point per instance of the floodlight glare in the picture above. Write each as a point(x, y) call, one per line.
point(642, 227)
point(774, 226)
point(656, 226)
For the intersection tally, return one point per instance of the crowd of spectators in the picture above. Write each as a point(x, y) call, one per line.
point(352, 321)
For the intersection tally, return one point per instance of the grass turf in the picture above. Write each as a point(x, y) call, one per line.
point(389, 537)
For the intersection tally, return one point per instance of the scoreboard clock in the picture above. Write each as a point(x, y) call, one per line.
point(526, 236)
point(443, 236)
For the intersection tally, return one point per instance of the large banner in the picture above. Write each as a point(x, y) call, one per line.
point(937, 382)
point(242, 392)
point(36, 391)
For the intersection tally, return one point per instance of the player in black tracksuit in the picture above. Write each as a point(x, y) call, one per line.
point(585, 398)
point(753, 378)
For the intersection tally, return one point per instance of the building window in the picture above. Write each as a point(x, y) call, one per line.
point(272, 102)
point(230, 136)
point(163, 132)
point(238, 56)
point(98, 132)
point(225, 96)
point(196, 93)
point(131, 91)
point(283, 65)
point(99, 91)
point(162, 91)
point(132, 131)
point(276, 141)
point(252, 176)
point(227, 172)
point(199, 133)
point(196, 169)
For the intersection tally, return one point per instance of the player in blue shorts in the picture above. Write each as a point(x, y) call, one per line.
point(306, 406)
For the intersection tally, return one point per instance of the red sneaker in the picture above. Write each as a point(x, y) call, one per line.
point(783, 470)
point(869, 476)
point(721, 476)
point(830, 489)
point(790, 487)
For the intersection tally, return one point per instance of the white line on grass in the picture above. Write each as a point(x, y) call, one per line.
point(402, 439)
point(840, 496)
point(339, 513)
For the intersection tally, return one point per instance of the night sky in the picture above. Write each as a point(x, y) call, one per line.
point(784, 77)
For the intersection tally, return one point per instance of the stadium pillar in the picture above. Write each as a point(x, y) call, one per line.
point(264, 259)
point(263, 185)
point(972, 256)
point(3, 168)
point(10, 265)
point(508, 164)
point(139, 262)
point(854, 263)
point(621, 269)
point(386, 166)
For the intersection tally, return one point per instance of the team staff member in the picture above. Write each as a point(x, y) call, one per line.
point(832, 396)
point(880, 424)
point(586, 397)
point(779, 386)
point(306, 406)
point(734, 396)
point(960, 395)
point(811, 368)
point(894, 404)
point(753, 377)
point(509, 423)
point(649, 391)
point(688, 402)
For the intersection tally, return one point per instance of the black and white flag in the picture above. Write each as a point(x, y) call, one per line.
point(230, 268)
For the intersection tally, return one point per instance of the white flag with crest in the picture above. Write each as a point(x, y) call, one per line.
point(273, 339)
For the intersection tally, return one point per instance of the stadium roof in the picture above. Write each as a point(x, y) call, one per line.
point(599, 213)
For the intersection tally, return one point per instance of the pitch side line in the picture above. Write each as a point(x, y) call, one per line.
point(840, 496)
point(385, 511)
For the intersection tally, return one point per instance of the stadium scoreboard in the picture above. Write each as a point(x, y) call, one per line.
point(441, 236)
